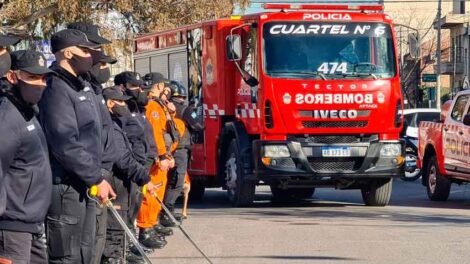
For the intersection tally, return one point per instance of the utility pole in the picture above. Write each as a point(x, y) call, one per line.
point(438, 55)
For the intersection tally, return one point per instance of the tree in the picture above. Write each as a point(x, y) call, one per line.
point(142, 16)
point(119, 20)
point(411, 19)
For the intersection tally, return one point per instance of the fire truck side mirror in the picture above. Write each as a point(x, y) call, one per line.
point(466, 120)
point(234, 48)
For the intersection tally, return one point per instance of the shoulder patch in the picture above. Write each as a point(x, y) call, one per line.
point(31, 127)
point(155, 115)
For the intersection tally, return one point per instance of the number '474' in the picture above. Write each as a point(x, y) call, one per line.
point(332, 67)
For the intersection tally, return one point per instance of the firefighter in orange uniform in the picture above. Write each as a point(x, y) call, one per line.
point(147, 220)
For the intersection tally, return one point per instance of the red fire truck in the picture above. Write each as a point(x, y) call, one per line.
point(302, 97)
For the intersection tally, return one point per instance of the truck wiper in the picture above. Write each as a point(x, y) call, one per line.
point(359, 74)
point(311, 73)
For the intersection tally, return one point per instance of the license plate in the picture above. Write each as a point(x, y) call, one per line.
point(336, 152)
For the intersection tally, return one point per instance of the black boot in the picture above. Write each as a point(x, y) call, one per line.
point(179, 217)
point(148, 238)
point(165, 221)
point(134, 259)
point(112, 261)
point(162, 231)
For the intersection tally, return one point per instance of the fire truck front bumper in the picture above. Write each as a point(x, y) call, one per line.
point(283, 160)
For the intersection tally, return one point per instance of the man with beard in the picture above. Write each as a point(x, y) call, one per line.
point(25, 166)
point(127, 173)
point(72, 122)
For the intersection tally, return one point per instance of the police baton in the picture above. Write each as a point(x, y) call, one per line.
point(178, 224)
point(93, 192)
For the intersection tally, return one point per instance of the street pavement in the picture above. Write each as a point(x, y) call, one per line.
point(333, 227)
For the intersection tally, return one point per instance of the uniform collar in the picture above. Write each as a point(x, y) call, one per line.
point(73, 81)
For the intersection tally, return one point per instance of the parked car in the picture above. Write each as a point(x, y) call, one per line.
point(444, 148)
point(413, 117)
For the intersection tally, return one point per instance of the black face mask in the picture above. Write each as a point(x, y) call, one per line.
point(80, 64)
point(5, 63)
point(140, 97)
point(101, 75)
point(31, 93)
point(121, 111)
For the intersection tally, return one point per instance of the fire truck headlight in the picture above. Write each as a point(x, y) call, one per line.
point(390, 150)
point(276, 151)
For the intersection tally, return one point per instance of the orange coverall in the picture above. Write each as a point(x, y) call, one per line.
point(150, 209)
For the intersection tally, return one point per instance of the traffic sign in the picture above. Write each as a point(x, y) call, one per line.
point(429, 77)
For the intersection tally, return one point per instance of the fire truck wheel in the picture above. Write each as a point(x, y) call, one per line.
point(438, 186)
point(240, 192)
point(378, 192)
point(289, 195)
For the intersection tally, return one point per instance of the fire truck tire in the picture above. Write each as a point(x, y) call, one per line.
point(378, 192)
point(197, 191)
point(240, 192)
point(438, 186)
point(289, 195)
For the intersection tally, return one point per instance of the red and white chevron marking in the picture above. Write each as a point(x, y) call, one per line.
point(247, 110)
point(213, 111)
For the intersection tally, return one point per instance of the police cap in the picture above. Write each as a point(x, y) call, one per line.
point(29, 61)
point(107, 59)
point(128, 77)
point(156, 77)
point(91, 31)
point(8, 40)
point(69, 38)
point(115, 93)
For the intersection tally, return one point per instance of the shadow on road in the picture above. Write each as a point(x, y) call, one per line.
point(328, 203)
point(306, 258)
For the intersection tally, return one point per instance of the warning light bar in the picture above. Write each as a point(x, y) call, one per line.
point(325, 7)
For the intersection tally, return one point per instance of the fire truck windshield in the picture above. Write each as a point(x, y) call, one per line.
point(328, 50)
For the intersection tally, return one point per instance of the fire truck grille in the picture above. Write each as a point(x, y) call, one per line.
point(335, 164)
point(334, 124)
point(336, 139)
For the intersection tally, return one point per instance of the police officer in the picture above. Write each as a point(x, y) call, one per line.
point(177, 175)
point(24, 158)
point(5, 60)
point(127, 171)
point(5, 64)
point(140, 134)
point(97, 76)
point(73, 126)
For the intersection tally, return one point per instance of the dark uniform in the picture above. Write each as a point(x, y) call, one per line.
point(96, 77)
point(127, 173)
point(140, 134)
point(71, 118)
point(5, 64)
point(176, 175)
point(138, 130)
point(26, 178)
